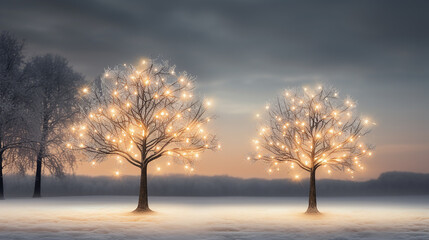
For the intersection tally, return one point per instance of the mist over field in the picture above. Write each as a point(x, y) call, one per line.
point(209, 218)
point(391, 183)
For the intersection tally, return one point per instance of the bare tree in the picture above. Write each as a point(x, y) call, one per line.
point(141, 114)
point(53, 86)
point(312, 128)
point(12, 125)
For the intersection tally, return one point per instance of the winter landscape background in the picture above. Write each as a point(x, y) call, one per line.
point(66, 65)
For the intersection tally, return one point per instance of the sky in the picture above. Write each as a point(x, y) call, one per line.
point(244, 53)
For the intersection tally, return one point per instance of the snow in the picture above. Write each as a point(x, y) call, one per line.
point(109, 217)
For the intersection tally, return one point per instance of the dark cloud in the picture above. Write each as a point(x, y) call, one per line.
point(228, 37)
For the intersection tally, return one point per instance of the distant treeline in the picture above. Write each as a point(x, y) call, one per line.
point(390, 183)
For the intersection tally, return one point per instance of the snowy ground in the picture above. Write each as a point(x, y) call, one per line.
point(107, 217)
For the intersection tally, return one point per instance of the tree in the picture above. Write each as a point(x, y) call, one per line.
point(53, 85)
point(141, 114)
point(12, 131)
point(313, 128)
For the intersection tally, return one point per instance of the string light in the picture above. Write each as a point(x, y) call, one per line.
point(113, 124)
point(312, 120)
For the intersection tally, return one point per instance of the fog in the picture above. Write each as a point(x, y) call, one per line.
point(244, 218)
point(391, 183)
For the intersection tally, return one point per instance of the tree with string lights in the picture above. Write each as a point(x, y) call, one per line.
point(140, 114)
point(309, 129)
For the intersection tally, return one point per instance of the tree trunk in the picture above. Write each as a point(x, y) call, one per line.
point(1, 177)
point(38, 182)
point(40, 155)
point(312, 203)
point(143, 204)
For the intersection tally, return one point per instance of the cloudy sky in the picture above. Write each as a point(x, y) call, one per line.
point(246, 52)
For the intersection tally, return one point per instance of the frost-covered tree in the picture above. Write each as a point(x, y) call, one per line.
point(53, 87)
point(12, 125)
point(141, 114)
point(311, 129)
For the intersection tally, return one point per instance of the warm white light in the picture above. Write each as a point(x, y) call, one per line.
point(140, 104)
point(311, 120)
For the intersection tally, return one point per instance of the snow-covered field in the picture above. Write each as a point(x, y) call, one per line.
point(108, 217)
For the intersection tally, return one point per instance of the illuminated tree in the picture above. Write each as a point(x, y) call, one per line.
point(309, 129)
point(141, 114)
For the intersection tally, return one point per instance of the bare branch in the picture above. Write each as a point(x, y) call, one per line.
point(311, 128)
point(141, 114)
